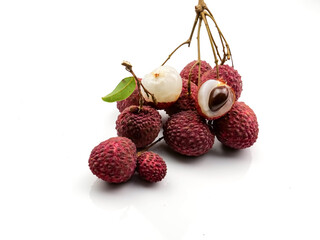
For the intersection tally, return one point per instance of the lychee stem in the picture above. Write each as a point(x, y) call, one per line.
point(139, 84)
point(149, 146)
point(199, 55)
point(202, 12)
point(186, 42)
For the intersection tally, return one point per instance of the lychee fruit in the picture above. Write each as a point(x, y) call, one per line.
point(165, 84)
point(228, 75)
point(186, 101)
point(188, 134)
point(193, 70)
point(215, 99)
point(114, 160)
point(151, 167)
point(142, 126)
point(239, 128)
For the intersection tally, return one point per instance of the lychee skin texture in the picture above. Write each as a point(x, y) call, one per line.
point(195, 70)
point(151, 167)
point(142, 127)
point(187, 133)
point(237, 129)
point(114, 160)
point(185, 101)
point(228, 75)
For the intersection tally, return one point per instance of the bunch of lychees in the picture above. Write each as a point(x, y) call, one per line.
point(201, 101)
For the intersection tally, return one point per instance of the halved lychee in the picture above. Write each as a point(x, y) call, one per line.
point(215, 99)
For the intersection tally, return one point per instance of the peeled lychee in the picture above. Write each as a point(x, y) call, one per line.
point(188, 134)
point(239, 128)
point(228, 75)
point(151, 167)
point(195, 70)
point(114, 160)
point(215, 99)
point(141, 126)
point(165, 84)
point(186, 101)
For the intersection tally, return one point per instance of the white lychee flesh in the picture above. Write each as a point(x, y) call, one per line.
point(203, 99)
point(164, 82)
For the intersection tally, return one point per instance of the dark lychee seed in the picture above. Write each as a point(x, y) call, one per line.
point(151, 167)
point(113, 160)
point(228, 75)
point(218, 97)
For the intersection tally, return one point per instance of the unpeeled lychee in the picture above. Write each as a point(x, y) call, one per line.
point(114, 160)
point(187, 133)
point(228, 75)
point(237, 129)
point(186, 101)
point(142, 126)
point(151, 167)
point(194, 73)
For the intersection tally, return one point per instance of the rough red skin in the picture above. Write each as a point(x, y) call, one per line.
point(114, 160)
point(194, 73)
point(239, 128)
point(187, 133)
point(160, 105)
point(228, 75)
point(142, 127)
point(185, 101)
point(151, 167)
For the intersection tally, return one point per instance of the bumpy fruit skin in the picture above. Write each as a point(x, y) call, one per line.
point(187, 133)
point(185, 101)
point(228, 75)
point(195, 70)
point(114, 160)
point(151, 167)
point(142, 127)
point(237, 129)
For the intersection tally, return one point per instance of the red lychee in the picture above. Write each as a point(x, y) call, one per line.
point(187, 133)
point(228, 75)
point(237, 129)
point(195, 70)
point(141, 126)
point(114, 160)
point(186, 101)
point(151, 167)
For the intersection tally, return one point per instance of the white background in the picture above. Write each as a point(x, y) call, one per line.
point(58, 58)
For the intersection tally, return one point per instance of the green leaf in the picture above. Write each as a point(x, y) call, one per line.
point(123, 90)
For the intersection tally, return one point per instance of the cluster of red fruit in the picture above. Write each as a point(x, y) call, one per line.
point(200, 105)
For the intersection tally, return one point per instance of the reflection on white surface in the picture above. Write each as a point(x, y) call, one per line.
point(172, 205)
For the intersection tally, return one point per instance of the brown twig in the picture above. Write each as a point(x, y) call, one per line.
point(139, 84)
